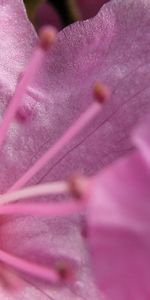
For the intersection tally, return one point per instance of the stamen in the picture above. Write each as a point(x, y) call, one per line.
point(26, 80)
point(101, 93)
point(78, 186)
point(47, 35)
point(65, 270)
point(83, 120)
point(37, 190)
point(44, 273)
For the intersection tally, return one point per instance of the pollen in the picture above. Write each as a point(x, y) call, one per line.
point(78, 185)
point(101, 93)
point(47, 35)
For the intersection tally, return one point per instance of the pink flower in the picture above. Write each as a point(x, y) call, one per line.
point(111, 48)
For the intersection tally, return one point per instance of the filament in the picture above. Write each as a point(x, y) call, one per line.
point(30, 268)
point(43, 209)
point(37, 190)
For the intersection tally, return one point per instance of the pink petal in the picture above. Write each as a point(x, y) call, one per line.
point(17, 39)
point(119, 224)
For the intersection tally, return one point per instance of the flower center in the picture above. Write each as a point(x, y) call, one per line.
point(16, 192)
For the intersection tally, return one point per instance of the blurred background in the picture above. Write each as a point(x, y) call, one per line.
point(61, 13)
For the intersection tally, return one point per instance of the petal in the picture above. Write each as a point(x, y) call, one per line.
point(118, 221)
point(17, 38)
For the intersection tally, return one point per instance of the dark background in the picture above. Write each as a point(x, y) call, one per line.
point(65, 12)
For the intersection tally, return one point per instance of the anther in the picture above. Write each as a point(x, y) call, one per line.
point(101, 93)
point(65, 270)
point(23, 114)
point(47, 35)
point(78, 185)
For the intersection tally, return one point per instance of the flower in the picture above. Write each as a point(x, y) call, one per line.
point(110, 48)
